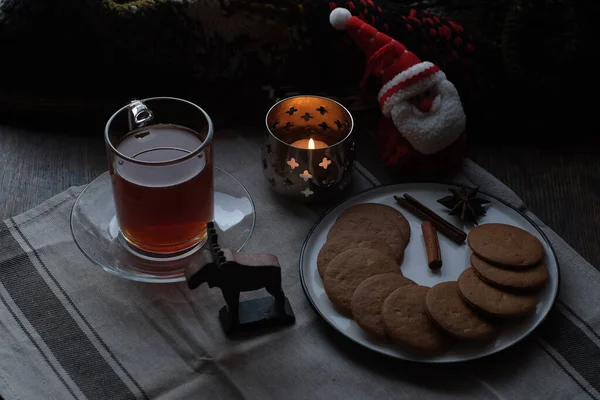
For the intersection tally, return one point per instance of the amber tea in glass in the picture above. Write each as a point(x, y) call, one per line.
point(161, 170)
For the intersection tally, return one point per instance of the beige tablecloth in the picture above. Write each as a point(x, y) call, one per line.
point(70, 330)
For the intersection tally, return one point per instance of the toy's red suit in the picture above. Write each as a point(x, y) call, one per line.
point(423, 131)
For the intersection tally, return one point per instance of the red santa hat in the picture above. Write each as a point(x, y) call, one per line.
point(403, 74)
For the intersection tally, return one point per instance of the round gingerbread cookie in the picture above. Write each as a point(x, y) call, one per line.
point(493, 301)
point(350, 240)
point(350, 269)
point(453, 316)
point(523, 279)
point(378, 225)
point(368, 299)
point(407, 323)
point(389, 212)
point(506, 245)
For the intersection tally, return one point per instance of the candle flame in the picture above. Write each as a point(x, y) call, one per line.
point(311, 144)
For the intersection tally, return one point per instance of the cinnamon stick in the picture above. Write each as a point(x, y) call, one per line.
point(432, 245)
point(435, 218)
point(424, 213)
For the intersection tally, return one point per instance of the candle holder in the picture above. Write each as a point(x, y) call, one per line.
point(290, 166)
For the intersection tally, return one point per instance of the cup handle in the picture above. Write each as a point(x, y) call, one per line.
point(139, 115)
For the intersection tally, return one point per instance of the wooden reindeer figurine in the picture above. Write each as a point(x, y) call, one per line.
point(234, 273)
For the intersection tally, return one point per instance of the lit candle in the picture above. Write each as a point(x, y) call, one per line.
point(310, 144)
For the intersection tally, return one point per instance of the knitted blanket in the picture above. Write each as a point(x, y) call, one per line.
point(221, 48)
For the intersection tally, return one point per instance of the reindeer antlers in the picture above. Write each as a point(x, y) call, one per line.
point(213, 241)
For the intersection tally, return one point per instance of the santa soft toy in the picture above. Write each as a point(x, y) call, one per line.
point(424, 124)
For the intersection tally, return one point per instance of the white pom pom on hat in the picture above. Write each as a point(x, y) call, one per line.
point(339, 17)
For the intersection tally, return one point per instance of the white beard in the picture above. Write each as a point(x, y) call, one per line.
point(435, 129)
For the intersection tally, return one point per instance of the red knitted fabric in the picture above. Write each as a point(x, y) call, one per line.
point(403, 159)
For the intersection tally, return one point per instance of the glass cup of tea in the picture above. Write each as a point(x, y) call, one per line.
point(161, 167)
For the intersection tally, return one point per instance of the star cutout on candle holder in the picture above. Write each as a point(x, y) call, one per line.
point(288, 183)
point(324, 126)
point(291, 111)
point(288, 126)
point(325, 163)
point(277, 168)
point(292, 163)
point(338, 123)
point(346, 165)
point(305, 175)
point(322, 110)
point(306, 116)
point(307, 192)
point(274, 125)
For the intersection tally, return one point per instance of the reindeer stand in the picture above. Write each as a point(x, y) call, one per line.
point(234, 273)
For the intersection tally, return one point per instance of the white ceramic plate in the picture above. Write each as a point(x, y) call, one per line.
point(455, 260)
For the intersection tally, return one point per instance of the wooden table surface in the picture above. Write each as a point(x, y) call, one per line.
point(36, 165)
point(561, 186)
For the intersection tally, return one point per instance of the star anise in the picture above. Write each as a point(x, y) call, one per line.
point(465, 203)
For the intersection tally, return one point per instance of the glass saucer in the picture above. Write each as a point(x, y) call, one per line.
point(96, 232)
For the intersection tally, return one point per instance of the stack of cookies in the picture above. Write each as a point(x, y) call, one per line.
point(367, 239)
point(362, 278)
point(507, 270)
